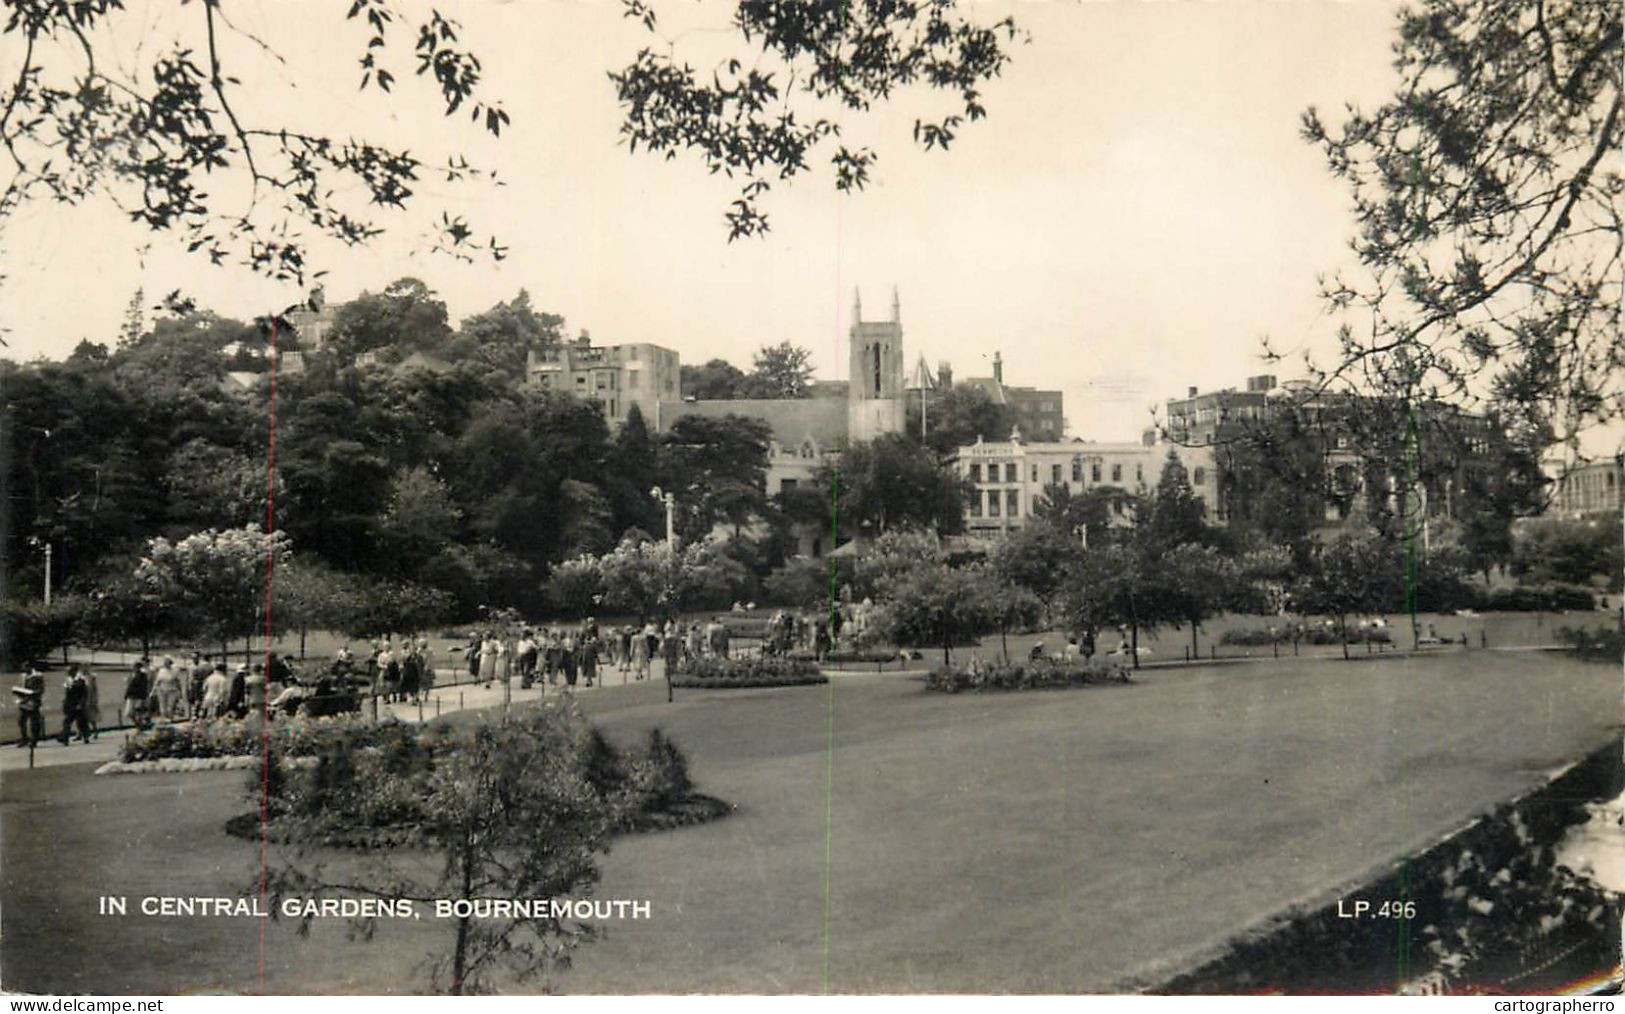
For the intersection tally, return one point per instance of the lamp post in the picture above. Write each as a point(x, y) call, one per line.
point(671, 503)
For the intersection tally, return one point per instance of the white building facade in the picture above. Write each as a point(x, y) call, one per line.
point(1009, 477)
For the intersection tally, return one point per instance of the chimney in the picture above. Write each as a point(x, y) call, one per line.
point(1190, 392)
point(998, 370)
point(945, 376)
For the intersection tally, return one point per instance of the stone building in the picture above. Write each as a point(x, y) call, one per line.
point(1589, 489)
point(615, 376)
point(1010, 476)
point(1038, 413)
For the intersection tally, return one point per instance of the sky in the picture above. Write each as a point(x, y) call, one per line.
point(1135, 213)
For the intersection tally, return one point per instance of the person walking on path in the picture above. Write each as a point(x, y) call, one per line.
point(136, 692)
point(75, 695)
point(490, 655)
point(166, 684)
point(237, 692)
point(31, 706)
point(216, 688)
point(569, 660)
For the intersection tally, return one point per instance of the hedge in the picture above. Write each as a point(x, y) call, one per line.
point(732, 673)
point(1035, 674)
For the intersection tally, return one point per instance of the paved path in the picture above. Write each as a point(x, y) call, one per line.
point(441, 701)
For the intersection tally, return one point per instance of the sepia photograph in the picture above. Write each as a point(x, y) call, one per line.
point(812, 497)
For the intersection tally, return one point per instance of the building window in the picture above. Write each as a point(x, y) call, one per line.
point(993, 504)
point(976, 505)
point(1010, 474)
point(1199, 476)
point(1117, 473)
point(785, 484)
point(1012, 502)
point(1139, 473)
point(976, 474)
point(1055, 475)
point(581, 380)
point(614, 408)
point(877, 371)
point(1035, 473)
point(1094, 472)
point(1077, 469)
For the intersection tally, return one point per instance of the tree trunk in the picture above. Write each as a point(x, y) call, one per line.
point(1134, 642)
point(947, 646)
point(1195, 621)
point(1004, 640)
point(302, 632)
point(1343, 633)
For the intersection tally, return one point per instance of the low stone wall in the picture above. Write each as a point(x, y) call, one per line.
point(1494, 912)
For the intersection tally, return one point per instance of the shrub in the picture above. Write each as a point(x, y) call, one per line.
point(728, 673)
point(1036, 674)
point(296, 737)
point(1607, 645)
point(1306, 634)
point(1539, 598)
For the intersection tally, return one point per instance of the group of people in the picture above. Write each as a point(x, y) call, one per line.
point(169, 689)
point(397, 673)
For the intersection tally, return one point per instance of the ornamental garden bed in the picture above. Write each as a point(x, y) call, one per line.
point(1034, 674)
point(387, 786)
point(739, 673)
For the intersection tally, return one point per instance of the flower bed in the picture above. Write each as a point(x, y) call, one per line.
point(1031, 675)
point(1315, 634)
point(735, 673)
point(295, 737)
point(371, 787)
point(865, 656)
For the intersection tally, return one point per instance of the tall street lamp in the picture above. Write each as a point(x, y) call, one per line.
point(671, 503)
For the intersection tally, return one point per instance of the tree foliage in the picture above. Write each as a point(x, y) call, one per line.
point(1487, 193)
point(171, 142)
point(811, 64)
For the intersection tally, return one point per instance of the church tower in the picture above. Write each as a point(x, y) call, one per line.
point(875, 388)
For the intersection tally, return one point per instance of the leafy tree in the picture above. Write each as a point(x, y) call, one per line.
point(1038, 557)
point(892, 482)
point(379, 608)
point(802, 583)
point(1200, 583)
point(502, 335)
point(213, 485)
point(406, 316)
point(1175, 513)
point(1010, 606)
point(1117, 585)
point(650, 580)
point(780, 371)
point(158, 136)
point(307, 595)
point(811, 62)
point(576, 586)
point(1352, 574)
point(936, 604)
point(1575, 552)
point(506, 809)
point(958, 417)
point(215, 581)
point(1487, 192)
point(420, 518)
point(717, 468)
point(714, 380)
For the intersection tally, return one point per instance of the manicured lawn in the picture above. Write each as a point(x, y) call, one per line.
point(1072, 840)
